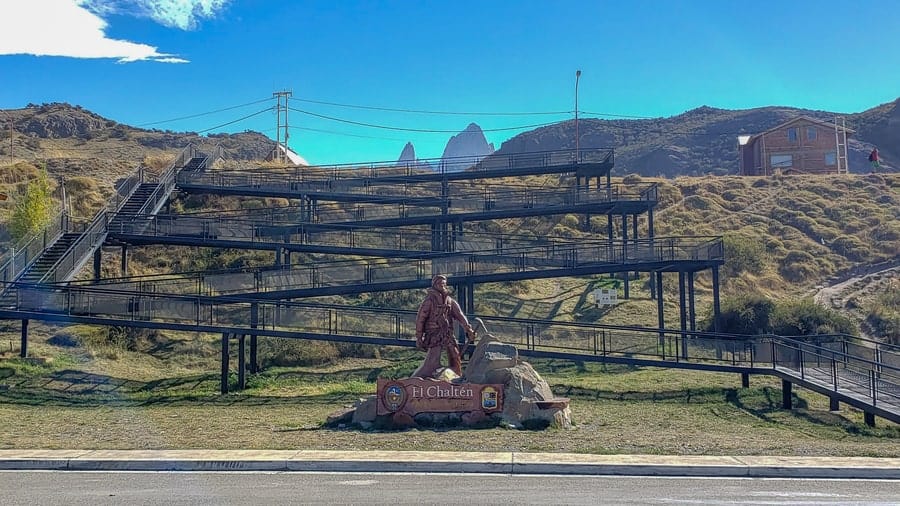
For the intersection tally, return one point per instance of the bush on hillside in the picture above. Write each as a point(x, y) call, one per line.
point(743, 254)
point(756, 314)
point(805, 317)
point(884, 315)
point(744, 314)
point(34, 209)
point(798, 266)
point(850, 247)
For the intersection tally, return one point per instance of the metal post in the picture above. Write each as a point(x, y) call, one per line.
point(124, 266)
point(716, 305)
point(225, 355)
point(23, 350)
point(786, 400)
point(98, 258)
point(254, 323)
point(745, 380)
point(692, 301)
point(242, 382)
point(682, 313)
point(834, 374)
point(659, 311)
point(873, 386)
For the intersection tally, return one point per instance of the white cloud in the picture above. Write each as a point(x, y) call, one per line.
point(66, 28)
point(183, 14)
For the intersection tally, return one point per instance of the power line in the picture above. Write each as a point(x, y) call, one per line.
point(344, 134)
point(236, 121)
point(610, 115)
point(204, 113)
point(419, 111)
point(420, 130)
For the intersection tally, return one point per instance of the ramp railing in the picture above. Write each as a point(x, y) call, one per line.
point(373, 171)
point(21, 255)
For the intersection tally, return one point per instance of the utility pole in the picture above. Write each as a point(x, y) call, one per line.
point(577, 76)
point(279, 108)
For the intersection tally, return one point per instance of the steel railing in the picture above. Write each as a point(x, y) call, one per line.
point(873, 382)
point(20, 256)
point(513, 259)
point(852, 377)
point(75, 256)
point(372, 171)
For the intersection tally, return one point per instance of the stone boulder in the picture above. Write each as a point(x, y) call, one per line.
point(528, 401)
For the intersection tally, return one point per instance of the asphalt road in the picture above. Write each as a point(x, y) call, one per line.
point(173, 488)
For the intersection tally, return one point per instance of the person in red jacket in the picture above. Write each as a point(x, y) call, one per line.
point(434, 329)
point(876, 161)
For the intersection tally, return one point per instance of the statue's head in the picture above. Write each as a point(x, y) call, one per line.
point(439, 283)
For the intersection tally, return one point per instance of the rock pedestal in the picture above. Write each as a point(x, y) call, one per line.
point(526, 399)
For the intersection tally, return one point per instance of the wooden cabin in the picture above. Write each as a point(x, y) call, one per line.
point(802, 145)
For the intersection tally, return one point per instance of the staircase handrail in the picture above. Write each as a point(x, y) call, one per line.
point(166, 180)
point(188, 152)
point(29, 248)
point(94, 233)
point(125, 189)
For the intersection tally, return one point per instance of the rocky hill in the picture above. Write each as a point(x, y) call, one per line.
point(60, 131)
point(698, 142)
point(704, 140)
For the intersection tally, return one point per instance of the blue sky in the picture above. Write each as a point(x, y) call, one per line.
point(143, 62)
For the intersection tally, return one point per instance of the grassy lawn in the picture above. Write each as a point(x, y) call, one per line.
point(79, 398)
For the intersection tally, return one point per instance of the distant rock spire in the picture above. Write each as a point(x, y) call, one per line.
point(408, 154)
point(470, 142)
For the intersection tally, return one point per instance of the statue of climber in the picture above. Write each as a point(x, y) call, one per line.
point(434, 329)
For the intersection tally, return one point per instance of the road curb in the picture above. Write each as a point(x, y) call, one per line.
point(456, 463)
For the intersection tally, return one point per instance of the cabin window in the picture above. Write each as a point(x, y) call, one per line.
point(782, 161)
point(792, 134)
point(810, 133)
point(831, 158)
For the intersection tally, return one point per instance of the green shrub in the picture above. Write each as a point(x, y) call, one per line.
point(805, 317)
point(755, 314)
point(798, 266)
point(745, 314)
point(296, 352)
point(34, 209)
point(570, 221)
point(743, 254)
point(850, 247)
point(884, 315)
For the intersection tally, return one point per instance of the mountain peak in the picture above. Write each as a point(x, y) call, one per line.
point(468, 143)
point(408, 154)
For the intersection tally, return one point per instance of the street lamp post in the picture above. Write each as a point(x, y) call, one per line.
point(577, 76)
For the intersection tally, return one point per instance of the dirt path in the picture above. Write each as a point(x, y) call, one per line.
point(851, 292)
point(860, 281)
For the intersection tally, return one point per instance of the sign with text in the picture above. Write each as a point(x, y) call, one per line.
point(422, 395)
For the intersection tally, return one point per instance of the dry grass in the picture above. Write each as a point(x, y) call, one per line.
point(616, 410)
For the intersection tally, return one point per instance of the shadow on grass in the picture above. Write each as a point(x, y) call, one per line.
point(402, 369)
point(74, 388)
